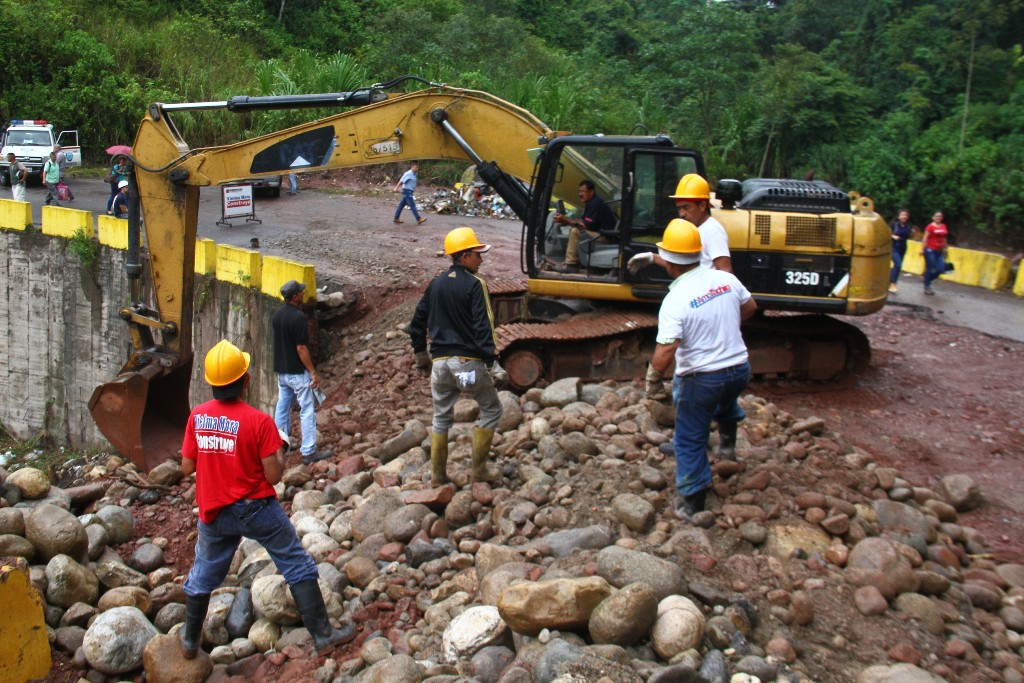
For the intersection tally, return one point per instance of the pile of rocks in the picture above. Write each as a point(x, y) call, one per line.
point(812, 563)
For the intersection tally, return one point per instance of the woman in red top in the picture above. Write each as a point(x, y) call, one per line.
point(933, 247)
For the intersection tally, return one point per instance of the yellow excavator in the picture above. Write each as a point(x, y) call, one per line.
point(799, 246)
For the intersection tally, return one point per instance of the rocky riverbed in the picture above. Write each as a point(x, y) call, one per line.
point(812, 563)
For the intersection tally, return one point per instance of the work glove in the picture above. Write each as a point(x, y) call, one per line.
point(498, 375)
point(654, 385)
point(640, 261)
point(423, 363)
point(285, 441)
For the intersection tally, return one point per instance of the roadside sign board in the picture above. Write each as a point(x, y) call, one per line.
point(236, 202)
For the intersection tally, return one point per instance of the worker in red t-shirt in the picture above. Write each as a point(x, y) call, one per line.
point(237, 455)
point(933, 248)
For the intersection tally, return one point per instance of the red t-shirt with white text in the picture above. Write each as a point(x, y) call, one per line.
point(935, 236)
point(228, 440)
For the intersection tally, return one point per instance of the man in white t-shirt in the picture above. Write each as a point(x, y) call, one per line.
point(699, 329)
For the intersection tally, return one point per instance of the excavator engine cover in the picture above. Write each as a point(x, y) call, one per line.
point(801, 196)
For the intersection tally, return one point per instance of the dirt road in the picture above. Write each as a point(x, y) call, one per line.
point(941, 396)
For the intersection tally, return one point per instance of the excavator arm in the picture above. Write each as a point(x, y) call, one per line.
point(143, 411)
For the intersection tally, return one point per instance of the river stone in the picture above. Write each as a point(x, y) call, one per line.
point(12, 521)
point(561, 393)
point(919, 607)
point(169, 615)
point(474, 629)
point(69, 582)
point(54, 531)
point(625, 616)
point(241, 616)
point(146, 558)
point(569, 541)
point(351, 485)
point(33, 483)
point(556, 604)
point(118, 521)
point(511, 411)
point(125, 596)
point(12, 545)
point(897, 673)
point(875, 562)
point(679, 626)
point(165, 474)
point(308, 500)
point(264, 634)
point(488, 664)
point(78, 614)
point(1011, 573)
point(375, 650)
point(370, 517)
point(413, 435)
point(69, 638)
point(621, 566)
point(273, 600)
point(395, 669)
point(786, 539)
point(504, 576)
point(114, 574)
point(633, 511)
point(405, 523)
point(576, 444)
point(901, 519)
point(163, 662)
point(116, 639)
point(98, 540)
point(961, 491)
point(311, 525)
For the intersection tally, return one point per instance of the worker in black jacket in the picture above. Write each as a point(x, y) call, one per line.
point(456, 312)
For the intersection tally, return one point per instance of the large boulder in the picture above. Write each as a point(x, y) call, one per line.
point(33, 483)
point(874, 561)
point(621, 566)
point(679, 626)
point(68, 582)
point(54, 531)
point(556, 604)
point(118, 522)
point(273, 601)
point(371, 517)
point(625, 616)
point(471, 631)
point(115, 641)
point(164, 662)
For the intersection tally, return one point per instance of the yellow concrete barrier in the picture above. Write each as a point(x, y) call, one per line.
point(60, 221)
point(15, 215)
point(1018, 284)
point(206, 256)
point(113, 232)
point(975, 268)
point(277, 271)
point(239, 266)
point(24, 646)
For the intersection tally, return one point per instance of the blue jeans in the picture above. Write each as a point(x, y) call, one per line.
point(292, 184)
point(407, 200)
point(934, 264)
point(292, 389)
point(897, 263)
point(262, 520)
point(700, 398)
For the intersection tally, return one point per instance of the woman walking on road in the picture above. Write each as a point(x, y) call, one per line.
point(901, 229)
point(933, 248)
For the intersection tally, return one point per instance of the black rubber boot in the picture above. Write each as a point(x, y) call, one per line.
point(686, 507)
point(192, 631)
point(311, 606)
point(727, 440)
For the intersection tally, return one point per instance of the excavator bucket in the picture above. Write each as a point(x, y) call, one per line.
point(143, 413)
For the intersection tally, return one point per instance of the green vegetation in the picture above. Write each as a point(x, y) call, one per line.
point(916, 104)
point(84, 246)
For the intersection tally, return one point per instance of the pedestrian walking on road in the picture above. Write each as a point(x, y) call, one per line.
point(901, 232)
point(118, 172)
point(456, 313)
point(933, 248)
point(699, 329)
point(62, 161)
point(51, 176)
point(296, 376)
point(237, 455)
point(293, 184)
point(18, 175)
point(407, 186)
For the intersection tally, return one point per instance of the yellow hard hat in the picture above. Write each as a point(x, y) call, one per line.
point(225, 363)
point(692, 186)
point(461, 239)
point(681, 243)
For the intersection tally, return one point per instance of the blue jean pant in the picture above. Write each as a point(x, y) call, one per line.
point(700, 398)
point(293, 186)
point(934, 264)
point(897, 264)
point(407, 200)
point(449, 378)
point(262, 520)
point(293, 389)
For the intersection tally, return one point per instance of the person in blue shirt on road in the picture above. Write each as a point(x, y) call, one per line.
point(407, 185)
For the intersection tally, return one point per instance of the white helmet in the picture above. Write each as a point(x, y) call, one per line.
point(123, 183)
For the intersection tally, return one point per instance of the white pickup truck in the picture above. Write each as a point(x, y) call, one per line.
point(32, 141)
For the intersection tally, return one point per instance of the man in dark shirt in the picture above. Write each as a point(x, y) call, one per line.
point(597, 218)
point(456, 311)
point(296, 377)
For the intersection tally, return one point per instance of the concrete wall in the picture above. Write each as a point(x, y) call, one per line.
point(61, 336)
point(975, 268)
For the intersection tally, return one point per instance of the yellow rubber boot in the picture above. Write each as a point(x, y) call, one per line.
point(481, 450)
point(438, 459)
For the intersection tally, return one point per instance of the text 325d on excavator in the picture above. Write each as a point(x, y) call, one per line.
point(798, 246)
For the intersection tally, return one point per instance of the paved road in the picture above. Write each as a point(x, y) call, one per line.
point(999, 314)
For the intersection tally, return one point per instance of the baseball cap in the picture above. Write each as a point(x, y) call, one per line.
point(291, 288)
point(123, 183)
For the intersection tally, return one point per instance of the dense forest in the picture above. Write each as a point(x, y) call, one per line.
point(916, 104)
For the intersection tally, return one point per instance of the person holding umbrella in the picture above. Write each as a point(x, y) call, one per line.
point(118, 172)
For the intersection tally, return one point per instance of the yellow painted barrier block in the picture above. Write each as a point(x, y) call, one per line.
point(239, 266)
point(113, 232)
point(60, 221)
point(24, 647)
point(1018, 284)
point(973, 267)
point(15, 215)
point(206, 256)
point(277, 271)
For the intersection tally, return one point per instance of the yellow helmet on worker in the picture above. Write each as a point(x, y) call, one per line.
point(463, 239)
point(225, 363)
point(681, 243)
point(692, 186)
